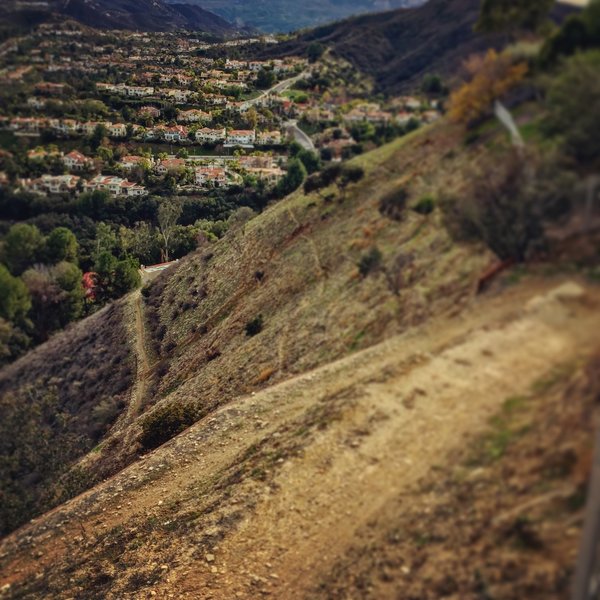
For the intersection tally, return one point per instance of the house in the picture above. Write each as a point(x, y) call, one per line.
point(241, 137)
point(89, 127)
point(269, 175)
point(193, 116)
point(51, 184)
point(116, 186)
point(131, 162)
point(269, 138)
point(176, 94)
point(117, 130)
point(210, 136)
point(214, 176)
point(132, 190)
point(53, 89)
point(76, 161)
point(177, 133)
point(149, 111)
point(41, 154)
point(411, 103)
point(26, 124)
point(137, 91)
point(170, 165)
point(35, 102)
point(67, 127)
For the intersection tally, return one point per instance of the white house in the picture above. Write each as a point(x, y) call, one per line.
point(242, 137)
point(211, 176)
point(210, 136)
point(76, 161)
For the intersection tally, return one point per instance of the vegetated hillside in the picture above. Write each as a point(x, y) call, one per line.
point(139, 15)
point(284, 15)
point(398, 48)
point(313, 278)
point(57, 402)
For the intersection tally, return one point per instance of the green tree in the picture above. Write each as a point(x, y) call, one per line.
point(500, 15)
point(23, 246)
point(295, 176)
point(169, 212)
point(310, 160)
point(314, 52)
point(61, 244)
point(126, 276)
point(571, 98)
point(265, 79)
point(15, 301)
point(96, 139)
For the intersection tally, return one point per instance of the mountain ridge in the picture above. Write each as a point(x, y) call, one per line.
point(135, 15)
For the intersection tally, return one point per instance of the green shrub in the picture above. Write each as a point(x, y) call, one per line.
point(370, 261)
point(425, 206)
point(254, 326)
point(164, 423)
point(393, 204)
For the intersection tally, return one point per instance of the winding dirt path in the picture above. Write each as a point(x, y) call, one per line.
point(142, 362)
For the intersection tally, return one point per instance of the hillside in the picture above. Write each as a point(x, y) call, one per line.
point(399, 47)
point(296, 269)
point(137, 15)
point(284, 16)
point(281, 411)
point(346, 481)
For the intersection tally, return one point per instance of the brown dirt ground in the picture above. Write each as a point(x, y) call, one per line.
point(377, 476)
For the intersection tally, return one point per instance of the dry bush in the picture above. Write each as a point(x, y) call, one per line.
point(165, 422)
point(509, 202)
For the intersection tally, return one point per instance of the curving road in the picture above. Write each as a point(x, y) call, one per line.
point(302, 138)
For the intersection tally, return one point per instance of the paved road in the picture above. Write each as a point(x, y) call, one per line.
point(302, 138)
point(276, 89)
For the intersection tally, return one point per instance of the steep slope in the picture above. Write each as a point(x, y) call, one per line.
point(139, 15)
point(56, 404)
point(304, 490)
point(296, 266)
point(283, 15)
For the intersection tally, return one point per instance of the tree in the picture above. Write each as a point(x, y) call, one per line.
point(432, 84)
point(96, 139)
point(314, 52)
point(69, 278)
point(500, 15)
point(296, 174)
point(265, 79)
point(23, 245)
point(310, 160)
point(491, 77)
point(579, 32)
point(169, 212)
point(61, 244)
point(349, 174)
point(126, 276)
point(251, 118)
point(15, 301)
point(571, 98)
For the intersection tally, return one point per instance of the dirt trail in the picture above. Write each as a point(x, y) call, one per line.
point(143, 364)
point(262, 496)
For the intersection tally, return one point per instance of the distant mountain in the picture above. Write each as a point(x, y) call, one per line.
point(288, 15)
point(142, 15)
